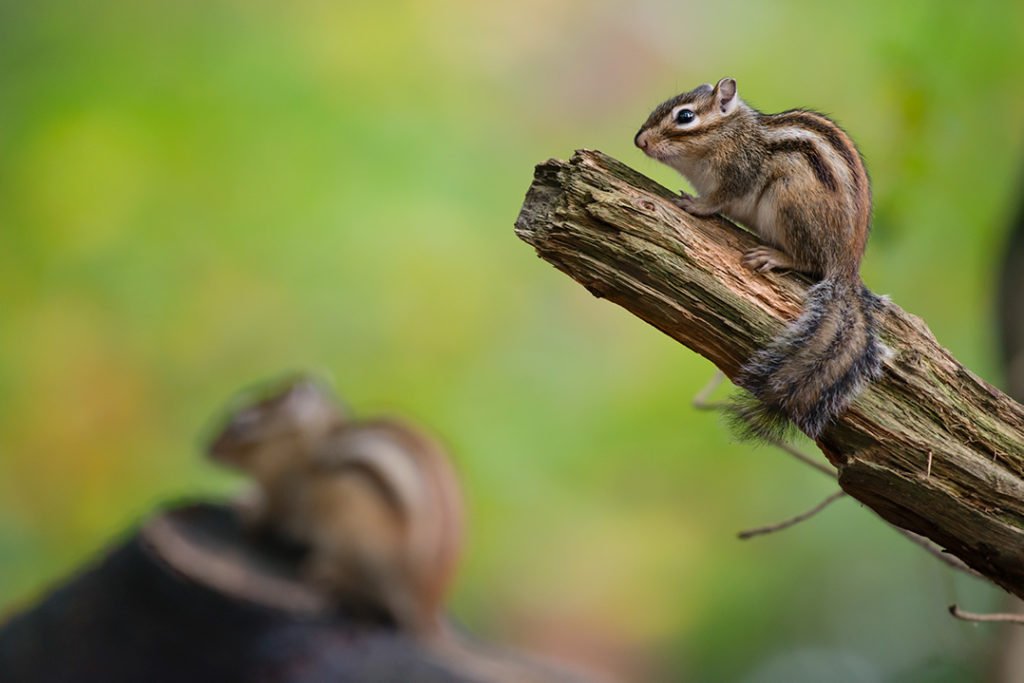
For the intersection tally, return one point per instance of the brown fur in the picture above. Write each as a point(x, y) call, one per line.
point(798, 181)
point(387, 518)
point(375, 503)
point(269, 435)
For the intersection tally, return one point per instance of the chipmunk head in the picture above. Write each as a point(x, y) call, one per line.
point(683, 128)
point(276, 425)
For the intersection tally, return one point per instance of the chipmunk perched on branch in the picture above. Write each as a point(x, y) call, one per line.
point(797, 180)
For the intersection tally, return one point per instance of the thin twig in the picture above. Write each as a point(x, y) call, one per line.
point(936, 551)
point(772, 528)
point(804, 458)
point(700, 402)
point(1002, 617)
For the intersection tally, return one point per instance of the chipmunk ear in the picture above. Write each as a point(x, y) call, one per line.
point(725, 95)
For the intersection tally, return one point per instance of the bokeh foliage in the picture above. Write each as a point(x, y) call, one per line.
point(195, 195)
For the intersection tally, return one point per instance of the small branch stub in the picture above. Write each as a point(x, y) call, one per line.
point(997, 617)
point(930, 447)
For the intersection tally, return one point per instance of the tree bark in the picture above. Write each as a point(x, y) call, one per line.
point(930, 446)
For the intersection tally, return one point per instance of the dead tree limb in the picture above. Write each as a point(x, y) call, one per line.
point(614, 231)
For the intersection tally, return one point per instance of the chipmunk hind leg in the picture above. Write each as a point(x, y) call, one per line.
point(765, 259)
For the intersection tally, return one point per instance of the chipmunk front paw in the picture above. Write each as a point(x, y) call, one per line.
point(766, 259)
point(693, 205)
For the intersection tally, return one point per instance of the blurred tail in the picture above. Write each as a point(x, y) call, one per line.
point(810, 373)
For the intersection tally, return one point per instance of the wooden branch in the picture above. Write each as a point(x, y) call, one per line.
point(614, 231)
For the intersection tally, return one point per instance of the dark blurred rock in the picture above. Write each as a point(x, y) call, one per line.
point(190, 598)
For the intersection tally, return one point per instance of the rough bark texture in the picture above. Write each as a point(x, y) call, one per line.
point(614, 231)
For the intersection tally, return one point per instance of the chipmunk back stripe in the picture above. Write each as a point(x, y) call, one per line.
point(379, 481)
point(773, 177)
point(821, 126)
point(832, 134)
point(813, 157)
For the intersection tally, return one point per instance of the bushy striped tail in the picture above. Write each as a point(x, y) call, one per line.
point(809, 374)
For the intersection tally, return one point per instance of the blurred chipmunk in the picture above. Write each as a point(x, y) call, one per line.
point(270, 437)
point(375, 503)
point(386, 525)
point(385, 520)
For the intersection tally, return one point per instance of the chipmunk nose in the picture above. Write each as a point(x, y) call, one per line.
point(640, 141)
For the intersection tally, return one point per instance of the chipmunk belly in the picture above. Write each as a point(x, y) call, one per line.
point(760, 217)
point(755, 216)
point(770, 227)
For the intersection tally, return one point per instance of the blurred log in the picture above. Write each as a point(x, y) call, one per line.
point(1010, 308)
point(1008, 664)
point(615, 232)
point(190, 597)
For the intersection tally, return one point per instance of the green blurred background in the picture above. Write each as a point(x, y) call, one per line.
point(195, 195)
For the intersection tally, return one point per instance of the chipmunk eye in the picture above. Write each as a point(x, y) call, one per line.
point(685, 116)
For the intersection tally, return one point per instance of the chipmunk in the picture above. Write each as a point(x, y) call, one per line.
point(375, 505)
point(386, 527)
point(797, 181)
point(271, 436)
point(385, 521)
